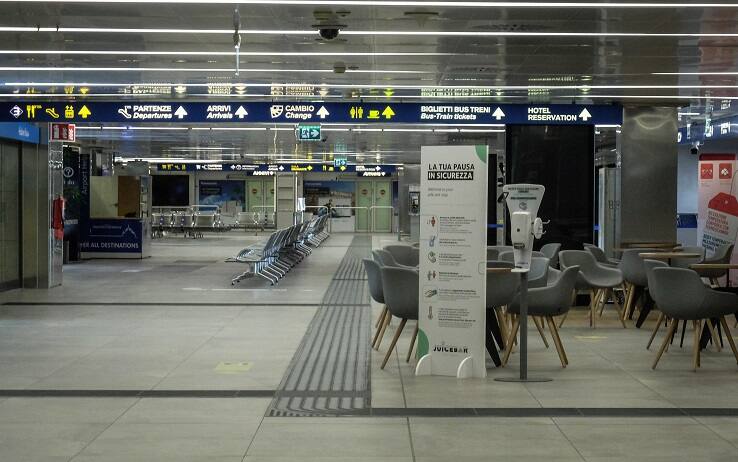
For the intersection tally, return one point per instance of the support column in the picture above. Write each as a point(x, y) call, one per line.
point(649, 174)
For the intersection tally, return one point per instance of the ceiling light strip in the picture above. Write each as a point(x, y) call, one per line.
point(307, 32)
point(410, 3)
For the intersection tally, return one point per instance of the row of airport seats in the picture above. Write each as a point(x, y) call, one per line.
point(274, 257)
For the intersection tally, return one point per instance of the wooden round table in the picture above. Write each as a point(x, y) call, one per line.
point(667, 256)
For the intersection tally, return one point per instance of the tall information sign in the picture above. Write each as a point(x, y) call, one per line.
point(453, 249)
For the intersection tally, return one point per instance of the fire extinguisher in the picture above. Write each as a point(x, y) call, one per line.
point(57, 218)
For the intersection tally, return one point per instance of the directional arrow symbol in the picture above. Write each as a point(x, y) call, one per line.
point(498, 114)
point(233, 167)
point(241, 112)
point(585, 115)
point(314, 133)
point(180, 113)
point(281, 167)
point(377, 168)
point(388, 113)
point(323, 112)
point(84, 112)
point(389, 92)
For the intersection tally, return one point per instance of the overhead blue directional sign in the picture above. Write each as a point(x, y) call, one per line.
point(271, 169)
point(129, 112)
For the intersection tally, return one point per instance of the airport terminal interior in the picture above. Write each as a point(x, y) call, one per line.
point(359, 230)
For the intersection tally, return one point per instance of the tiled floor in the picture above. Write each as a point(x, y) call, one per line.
point(192, 331)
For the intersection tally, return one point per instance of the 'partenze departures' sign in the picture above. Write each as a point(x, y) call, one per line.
point(450, 172)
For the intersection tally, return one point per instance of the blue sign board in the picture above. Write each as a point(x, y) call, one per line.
point(113, 236)
point(20, 131)
point(271, 169)
point(129, 112)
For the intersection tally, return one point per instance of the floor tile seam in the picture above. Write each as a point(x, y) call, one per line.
point(256, 432)
point(135, 401)
point(566, 437)
point(712, 430)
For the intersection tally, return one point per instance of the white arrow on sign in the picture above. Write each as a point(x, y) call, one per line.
point(180, 113)
point(498, 114)
point(377, 168)
point(241, 112)
point(323, 112)
point(585, 115)
point(233, 167)
point(281, 167)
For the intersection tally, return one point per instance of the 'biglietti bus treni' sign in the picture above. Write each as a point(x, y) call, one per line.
point(130, 112)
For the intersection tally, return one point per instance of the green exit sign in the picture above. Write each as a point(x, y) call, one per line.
point(308, 133)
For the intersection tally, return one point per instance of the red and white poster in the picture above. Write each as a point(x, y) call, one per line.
point(717, 214)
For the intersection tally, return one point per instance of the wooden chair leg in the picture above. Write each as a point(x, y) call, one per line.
point(510, 341)
point(669, 335)
point(539, 326)
point(618, 308)
point(412, 344)
point(502, 322)
point(561, 344)
point(629, 294)
point(563, 318)
point(381, 317)
point(394, 342)
point(696, 346)
point(379, 325)
point(603, 300)
point(387, 319)
point(713, 335)
point(655, 330)
point(557, 341)
point(728, 334)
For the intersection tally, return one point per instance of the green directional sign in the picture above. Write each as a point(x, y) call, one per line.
point(339, 161)
point(308, 133)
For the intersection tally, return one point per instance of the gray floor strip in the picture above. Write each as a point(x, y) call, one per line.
point(330, 372)
point(137, 393)
point(154, 304)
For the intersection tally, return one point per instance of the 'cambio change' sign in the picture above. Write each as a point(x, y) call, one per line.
point(453, 236)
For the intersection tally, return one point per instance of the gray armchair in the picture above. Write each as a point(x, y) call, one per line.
point(682, 296)
point(650, 265)
point(387, 259)
point(405, 255)
point(546, 302)
point(722, 254)
point(600, 256)
point(400, 287)
point(551, 251)
point(376, 291)
point(601, 280)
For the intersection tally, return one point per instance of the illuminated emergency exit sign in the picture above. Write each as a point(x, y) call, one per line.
point(308, 133)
